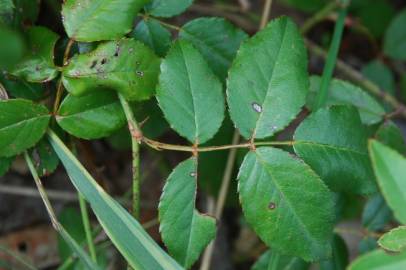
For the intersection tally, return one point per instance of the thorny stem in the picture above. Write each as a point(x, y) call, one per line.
point(88, 231)
point(136, 137)
point(331, 59)
point(59, 90)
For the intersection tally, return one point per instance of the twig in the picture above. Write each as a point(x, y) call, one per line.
point(318, 17)
point(59, 90)
point(331, 59)
point(32, 192)
point(265, 13)
point(136, 136)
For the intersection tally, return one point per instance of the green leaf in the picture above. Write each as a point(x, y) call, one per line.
point(167, 8)
point(25, 12)
point(22, 125)
point(390, 171)
point(6, 11)
point(284, 262)
point(381, 75)
point(153, 34)
point(376, 213)
point(390, 134)
point(286, 203)
point(126, 65)
point(395, 37)
point(184, 230)
point(394, 240)
point(92, 116)
point(99, 19)
point(189, 94)
point(379, 260)
point(38, 64)
point(367, 244)
point(19, 88)
point(340, 258)
point(5, 164)
point(45, 159)
point(376, 16)
point(217, 40)
point(334, 143)
point(268, 80)
point(12, 50)
point(137, 247)
point(345, 93)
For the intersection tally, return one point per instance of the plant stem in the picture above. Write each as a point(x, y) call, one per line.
point(136, 136)
point(183, 148)
point(331, 59)
point(318, 17)
point(59, 90)
point(87, 227)
point(265, 14)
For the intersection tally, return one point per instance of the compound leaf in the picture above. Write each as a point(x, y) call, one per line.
point(286, 203)
point(38, 64)
point(22, 125)
point(189, 94)
point(184, 230)
point(334, 143)
point(217, 40)
point(97, 20)
point(92, 116)
point(126, 65)
point(268, 80)
point(390, 171)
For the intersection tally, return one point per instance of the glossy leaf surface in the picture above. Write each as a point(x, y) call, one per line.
point(189, 94)
point(268, 80)
point(184, 230)
point(126, 65)
point(217, 40)
point(390, 171)
point(334, 143)
point(286, 203)
point(95, 20)
point(137, 247)
point(22, 124)
point(92, 116)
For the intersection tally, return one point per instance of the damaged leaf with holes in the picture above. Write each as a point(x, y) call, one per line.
point(127, 66)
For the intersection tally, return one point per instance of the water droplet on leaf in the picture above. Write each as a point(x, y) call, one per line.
point(257, 107)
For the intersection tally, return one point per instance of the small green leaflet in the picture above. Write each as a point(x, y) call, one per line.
point(333, 142)
point(44, 157)
point(19, 88)
point(22, 125)
point(390, 134)
point(97, 20)
point(217, 40)
point(395, 37)
point(137, 247)
point(184, 230)
point(395, 240)
point(189, 94)
point(268, 80)
point(153, 34)
point(381, 75)
point(38, 64)
point(379, 260)
point(167, 8)
point(92, 116)
point(286, 203)
point(390, 171)
point(13, 49)
point(126, 65)
point(345, 93)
